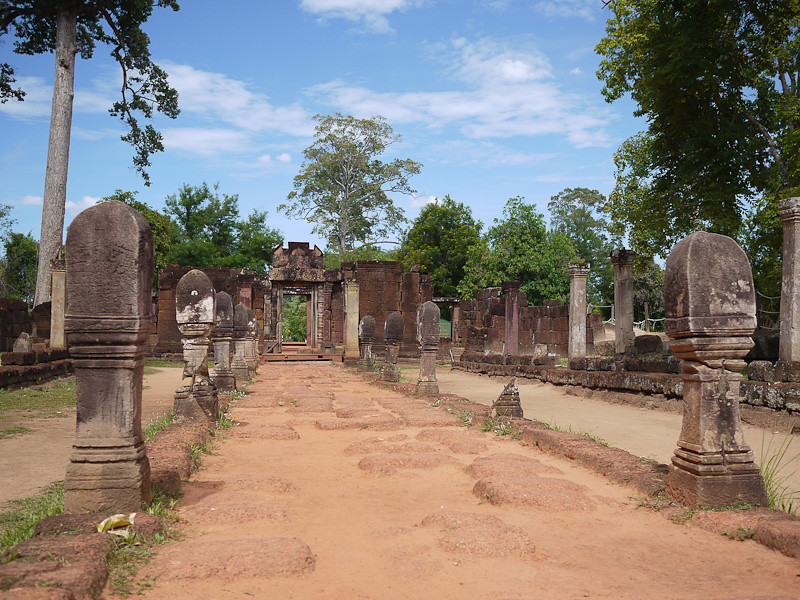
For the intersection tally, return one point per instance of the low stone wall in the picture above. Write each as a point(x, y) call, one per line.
point(598, 374)
point(14, 319)
point(32, 367)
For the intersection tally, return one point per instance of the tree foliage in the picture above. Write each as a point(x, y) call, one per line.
point(718, 83)
point(519, 247)
point(211, 234)
point(294, 318)
point(19, 267)
point(343, 185)
point(439, 239)
point(578, 214)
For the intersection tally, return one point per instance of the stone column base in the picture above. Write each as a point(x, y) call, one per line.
point(366, 365)
point(241, 374)
point(107, 475)
point(390, 373)
point(716, 491)
point(224, 381)
point(428, 388)
point(198, 405)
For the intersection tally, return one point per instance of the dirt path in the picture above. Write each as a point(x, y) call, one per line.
point(331, 488)
point(644, 431)
point(32, 460)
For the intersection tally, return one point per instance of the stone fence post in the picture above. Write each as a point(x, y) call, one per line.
point(393, 337)
point(109, 279)
point(710, 315)
point(622, 261)
point(789, 349)
point(366, 337)
point(578, 274)
point(223, 334)
point(428, 316)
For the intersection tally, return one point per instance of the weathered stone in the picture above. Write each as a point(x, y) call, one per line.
point(195, 312)
point(648, 344)
point(787, 371)
point(789, 350)
point(578, 274)
point(428, 337)
point(239, 363)
point(351, 313)
point(710, 315)
point(109, 255)
point(223, 334)
point(23, 343)
point(251, 342)
point(513, 302)
point(58, 299)
point(508, 403)
point(392, 336)
point(366, 337)
point(622, 261)
point(40, 315)
point(760, 370)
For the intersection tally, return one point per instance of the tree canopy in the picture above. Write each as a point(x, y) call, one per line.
point(519, 247)
point(211, 234)
point(69, 27)
point(578, 214)
point(18, 267)
point(439, 239)
point(718, 83)
point(343, 187)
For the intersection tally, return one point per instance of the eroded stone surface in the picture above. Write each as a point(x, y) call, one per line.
point(479, 535)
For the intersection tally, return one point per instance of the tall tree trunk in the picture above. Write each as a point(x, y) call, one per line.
point(55, 182)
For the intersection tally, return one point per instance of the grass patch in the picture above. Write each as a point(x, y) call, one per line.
point(569, 429)
point(45, 401)
point(498, 425)
point(17, 524)
point(157, 424)
point(160, 363)
point(777, 467)
point(7, 433)
point(466, 416)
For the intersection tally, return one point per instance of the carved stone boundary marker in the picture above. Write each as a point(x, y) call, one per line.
point(428, 337)
point(109, 257)
point(366, 337)
point(393, 337)
point(710, 307)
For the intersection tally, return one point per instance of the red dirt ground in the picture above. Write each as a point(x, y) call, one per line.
point(332, 488)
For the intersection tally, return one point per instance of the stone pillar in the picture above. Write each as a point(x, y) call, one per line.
point(710, 315)
point(578, 273)
point(327, 316)
point(251, 342)
point(789, 350)
point(58, 299)
point(109, 280)
point(512, 298)
point(239, 362)
point(392, 337)
point(622, 261)
point(428, 337)
point(351, 300)
point(366, 337)
point(456, 334)
point(223, 334)
point(195, 312)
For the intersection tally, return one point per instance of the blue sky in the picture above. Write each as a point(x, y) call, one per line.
point(497, 98)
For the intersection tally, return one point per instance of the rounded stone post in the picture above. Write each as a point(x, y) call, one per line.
point(366, 337)
point(195, 312)
point(710, 315)
point(223, 334)
point(428, 316)
point(109, 278)
point(789, 350)
point(239, 362)
point(392, 337)
point(578, 274)
point(251, 342)
point(58, 299)
point(622, 261)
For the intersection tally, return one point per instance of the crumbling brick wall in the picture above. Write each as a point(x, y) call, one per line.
point(14, 320)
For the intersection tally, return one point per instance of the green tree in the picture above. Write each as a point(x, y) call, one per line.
point(211, 234)
point(718, 83)
point(577, 213)
point(165, 230)
point(343, 185)
point(333, 260)
point(439, 239)
point(19, 267)
point(648, 286)
point(294, 318)
point(69, 27)
point(520, 248)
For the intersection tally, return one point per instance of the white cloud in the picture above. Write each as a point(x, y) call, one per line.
point(265, 159)
point(420, 200)
point(284, 157)
point(219, 97)
point(583, 9)
point(509, 93)
point(82, 204)
point(206, 142)
point(576, 71)
point(38, 99)
point(31, 200)
point(372, 13)
point(486, 154)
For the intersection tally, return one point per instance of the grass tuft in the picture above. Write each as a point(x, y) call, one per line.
point(43, 401)
point(18, 524)
point(7, 433)
point(776, 469)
